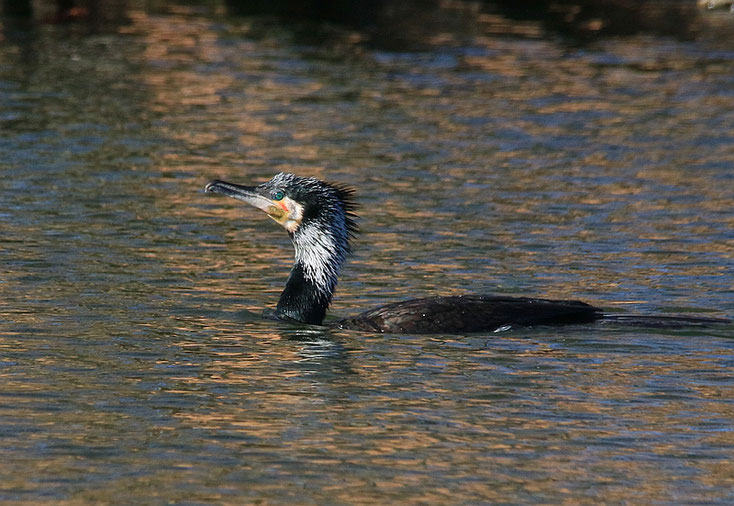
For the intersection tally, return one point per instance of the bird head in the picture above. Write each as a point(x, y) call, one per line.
point(297, 203)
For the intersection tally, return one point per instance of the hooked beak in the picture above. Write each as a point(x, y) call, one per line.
point(247, 194)
point(286, 212)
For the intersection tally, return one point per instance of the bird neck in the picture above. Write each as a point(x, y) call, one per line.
point(302, 299)
point(313, 278)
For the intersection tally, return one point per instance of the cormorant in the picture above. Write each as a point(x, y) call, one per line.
point(320, 220)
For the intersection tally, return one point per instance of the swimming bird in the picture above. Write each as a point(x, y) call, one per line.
point(321, 222)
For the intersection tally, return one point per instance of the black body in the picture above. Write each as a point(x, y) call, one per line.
point(469, 313)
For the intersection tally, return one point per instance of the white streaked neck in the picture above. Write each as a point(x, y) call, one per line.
point(320, 255)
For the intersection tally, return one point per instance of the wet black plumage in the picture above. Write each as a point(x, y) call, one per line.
point(320, 219)
point(469, 313)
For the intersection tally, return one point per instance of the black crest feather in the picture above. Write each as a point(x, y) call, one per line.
point(346, 195)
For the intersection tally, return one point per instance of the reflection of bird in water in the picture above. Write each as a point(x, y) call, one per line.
point(320, 220)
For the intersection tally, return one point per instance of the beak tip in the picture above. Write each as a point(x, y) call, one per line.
point(209, 188)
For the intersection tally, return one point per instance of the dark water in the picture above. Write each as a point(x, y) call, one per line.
point(134, 363)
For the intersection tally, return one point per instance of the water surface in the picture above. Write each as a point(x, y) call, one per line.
point(134, 361)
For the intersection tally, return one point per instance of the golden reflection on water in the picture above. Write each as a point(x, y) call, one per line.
point(338, 423)
point(519, 167)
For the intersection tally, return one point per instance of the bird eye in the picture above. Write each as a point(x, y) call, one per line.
point(278, 195)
